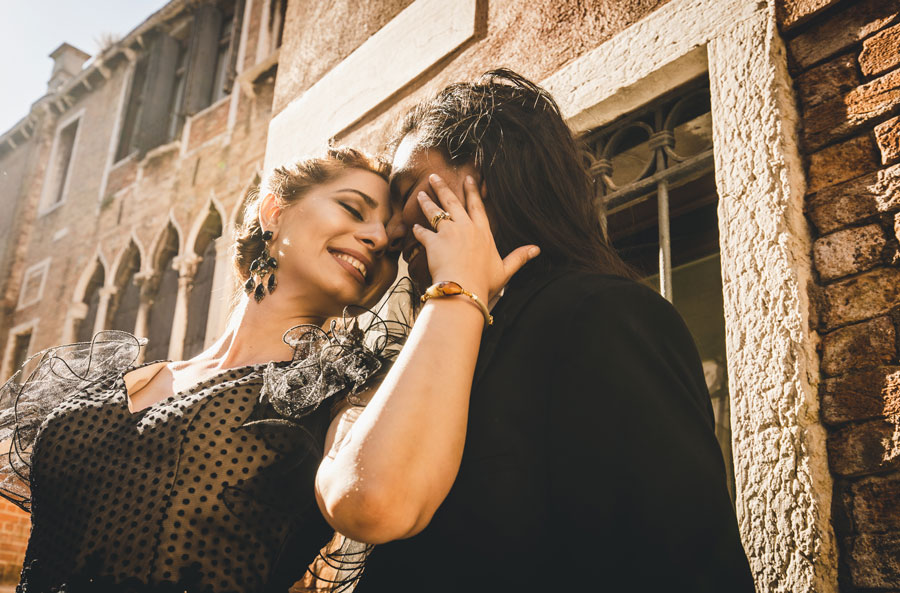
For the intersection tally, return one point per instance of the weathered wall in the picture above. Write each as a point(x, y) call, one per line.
point(846, 65)
point(534, 38)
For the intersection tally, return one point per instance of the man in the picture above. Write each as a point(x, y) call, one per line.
point(590, 460)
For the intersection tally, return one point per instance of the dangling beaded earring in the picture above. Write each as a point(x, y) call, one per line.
point(262, 266)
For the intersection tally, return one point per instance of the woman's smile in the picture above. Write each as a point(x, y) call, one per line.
point(352, 261)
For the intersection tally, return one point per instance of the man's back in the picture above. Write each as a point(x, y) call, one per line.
point(590, 456)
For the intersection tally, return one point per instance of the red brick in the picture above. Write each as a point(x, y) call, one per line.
point(887, 135)
point(874, 560)
point(830, 80)
point(867, 448)
point(208, 124)
point(858, 346)
point(794, 12)
point(849, 24)
point(840, 205)
point(873, 503)
point(841, 116)
point(863, 395)
point(862, 297)
point(842, 162)
point(880, 52)
point(849, 251)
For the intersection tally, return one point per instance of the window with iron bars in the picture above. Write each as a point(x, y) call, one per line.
point(656, 195)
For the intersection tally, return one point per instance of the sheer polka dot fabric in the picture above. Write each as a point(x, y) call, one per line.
point(184, 495)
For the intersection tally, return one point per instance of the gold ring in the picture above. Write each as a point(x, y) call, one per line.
point(437, 218)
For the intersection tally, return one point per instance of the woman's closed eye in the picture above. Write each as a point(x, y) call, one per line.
point(353, 211)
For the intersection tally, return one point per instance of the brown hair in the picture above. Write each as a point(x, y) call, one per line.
point(289, 183)
point(539, 190)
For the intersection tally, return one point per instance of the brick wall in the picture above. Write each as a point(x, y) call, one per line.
point(14, 529)
point(845, 59)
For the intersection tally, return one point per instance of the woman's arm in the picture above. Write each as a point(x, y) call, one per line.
point(391, 464)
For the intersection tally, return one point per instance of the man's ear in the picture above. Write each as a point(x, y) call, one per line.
point(270, 214)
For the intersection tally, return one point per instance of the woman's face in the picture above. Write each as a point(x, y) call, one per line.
point(338, 245)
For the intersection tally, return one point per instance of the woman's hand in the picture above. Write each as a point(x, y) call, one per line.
point(462, 248)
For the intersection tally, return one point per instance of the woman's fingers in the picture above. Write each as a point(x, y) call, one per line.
point(423, 235)
point(474, 203)
point(447, 198)
point(429, 208)
point(513, 262)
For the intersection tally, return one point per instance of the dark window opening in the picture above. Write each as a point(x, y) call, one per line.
point(201, 288)
point(162, 311)
point(62, 162)
point(656, 188)
point(92, 299)
point(21, 344)
point(132, 110)
point(128, 298)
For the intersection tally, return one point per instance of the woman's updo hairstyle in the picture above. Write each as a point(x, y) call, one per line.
point(289, 183)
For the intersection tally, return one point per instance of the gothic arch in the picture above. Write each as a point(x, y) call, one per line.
point(247, 193)
point(200, 228)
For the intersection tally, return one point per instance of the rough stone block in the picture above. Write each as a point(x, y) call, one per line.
point(850, 23)
point(874, 560)
point(864, 449)
point(858, 346)
point(863, 395)
point(886, 189)
point(887, 135)
point(873, 504)
point(868, 295)
point(840, 205)
point(828, 81)
point(839, 117)
point(791, 13)
point(841, 162)
point(880, 52)
point(849, 251)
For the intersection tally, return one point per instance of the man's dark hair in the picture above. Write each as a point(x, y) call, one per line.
point(538, 187)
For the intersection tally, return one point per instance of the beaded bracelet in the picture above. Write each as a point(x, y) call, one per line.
point(448, 288)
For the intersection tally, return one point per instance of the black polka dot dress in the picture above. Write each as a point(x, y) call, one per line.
point(210, 490)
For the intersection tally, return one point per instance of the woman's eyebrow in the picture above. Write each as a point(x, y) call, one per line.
point(368, 200)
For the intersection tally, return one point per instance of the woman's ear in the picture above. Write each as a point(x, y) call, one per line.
point(270, 214)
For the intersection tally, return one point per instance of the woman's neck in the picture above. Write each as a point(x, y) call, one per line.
point(254, 333)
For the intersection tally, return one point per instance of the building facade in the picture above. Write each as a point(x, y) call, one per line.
point(747, 158)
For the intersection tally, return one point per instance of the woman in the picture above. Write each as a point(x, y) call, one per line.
point(198, 475)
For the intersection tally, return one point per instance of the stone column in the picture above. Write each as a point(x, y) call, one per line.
point(781, 469)
point(187, 266)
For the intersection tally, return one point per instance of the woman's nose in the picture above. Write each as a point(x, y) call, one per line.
point(374, 237)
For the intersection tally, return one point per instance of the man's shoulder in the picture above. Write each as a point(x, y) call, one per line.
point(580, 288)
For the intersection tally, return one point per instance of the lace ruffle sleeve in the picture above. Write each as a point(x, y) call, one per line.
point(45, 380)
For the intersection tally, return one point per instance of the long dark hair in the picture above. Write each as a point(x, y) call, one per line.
point(538, 187)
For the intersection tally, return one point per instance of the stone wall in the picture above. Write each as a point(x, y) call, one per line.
point(845, 60)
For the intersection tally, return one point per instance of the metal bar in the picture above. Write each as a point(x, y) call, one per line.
point(643, 189)
point(665, 241)
point(662, 215)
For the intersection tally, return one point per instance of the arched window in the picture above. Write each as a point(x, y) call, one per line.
point(128, 297)
point(201, 289)
point(162, 311)
point(92, 300)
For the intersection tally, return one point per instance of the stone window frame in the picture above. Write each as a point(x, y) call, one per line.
point(41, 268)
point(51, 185)
point(27, 327)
